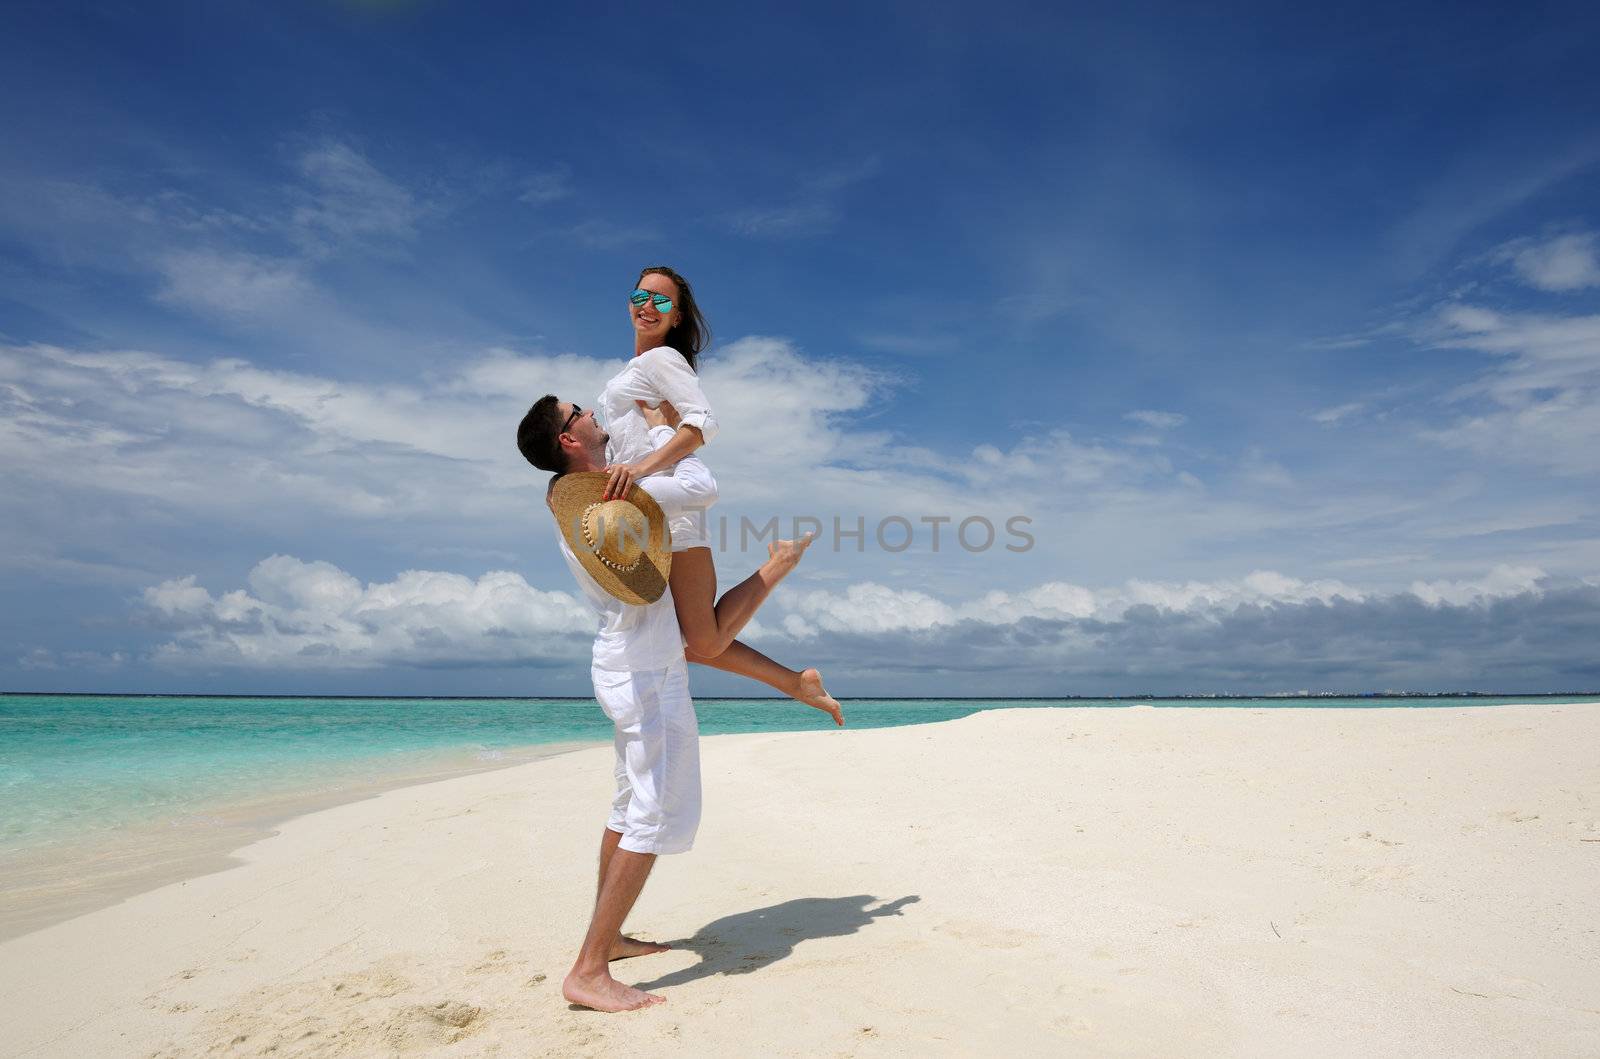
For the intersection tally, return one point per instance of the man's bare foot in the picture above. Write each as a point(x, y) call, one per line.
point(812, 694)
point(625, 947)
point(786, 555)
point(605, 993)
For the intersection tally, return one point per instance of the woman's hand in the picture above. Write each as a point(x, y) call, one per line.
point(623, 475)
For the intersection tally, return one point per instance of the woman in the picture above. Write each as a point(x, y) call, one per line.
point(660, 387)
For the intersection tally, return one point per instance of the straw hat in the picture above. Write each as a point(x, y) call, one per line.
point(624, 544)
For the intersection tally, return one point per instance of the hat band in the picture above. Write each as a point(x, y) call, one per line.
point(583, 525)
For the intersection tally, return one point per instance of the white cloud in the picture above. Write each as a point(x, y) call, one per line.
point(254, 262)
point(1157, 420)
point(1564, 263)
point(870, 608)
point(600, 234)
point(1509, 630)
point(866, 608)
point(229, 437)
point(40, 658)
point(347, 200)
point(1504, 580)
point(1338, 412)
point(1258, 587)
point(316, 616)
point(813, 209)
point(151, 440)
point(799, 218)
point(789, 411)
point(1257, 468)
point(226, 439)
point(546, 186)
point(1544, 394)
point(179, 596)
point(231, 283)
point(226, 436)
point(1060, 460)
point(1249, 633)
point(1475, 191)
point(282, 460)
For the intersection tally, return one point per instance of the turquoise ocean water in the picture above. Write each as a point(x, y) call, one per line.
point(73, 767)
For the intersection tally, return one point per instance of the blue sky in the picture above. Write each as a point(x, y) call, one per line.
point(1282, 328)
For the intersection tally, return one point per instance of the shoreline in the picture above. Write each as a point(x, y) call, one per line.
point(1229, 882)
point(60, 880)
point(1511, 698)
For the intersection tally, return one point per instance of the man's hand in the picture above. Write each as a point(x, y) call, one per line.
point(622, 478)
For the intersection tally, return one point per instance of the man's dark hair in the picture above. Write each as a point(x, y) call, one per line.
point(539, 435)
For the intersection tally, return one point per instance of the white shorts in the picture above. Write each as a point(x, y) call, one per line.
point(657, 805)
point(689, 530)
point(690, 527)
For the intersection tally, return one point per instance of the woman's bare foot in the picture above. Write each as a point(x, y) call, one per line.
point(625, 947)
point(605, 993)
point(814, 695)
point(785, 555)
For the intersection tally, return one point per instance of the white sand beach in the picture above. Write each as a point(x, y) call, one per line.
point(1075, 881)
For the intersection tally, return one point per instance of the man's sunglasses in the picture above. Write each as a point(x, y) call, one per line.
point(576, 412)
point(662, 303)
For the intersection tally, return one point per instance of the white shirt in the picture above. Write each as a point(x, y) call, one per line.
point(630, 637)
point(656, 375)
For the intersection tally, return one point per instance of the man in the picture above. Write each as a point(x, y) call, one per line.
point(639, 674)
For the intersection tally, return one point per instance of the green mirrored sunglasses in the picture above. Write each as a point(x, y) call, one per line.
point(662, 303)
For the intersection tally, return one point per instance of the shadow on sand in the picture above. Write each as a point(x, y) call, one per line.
point(749, 941)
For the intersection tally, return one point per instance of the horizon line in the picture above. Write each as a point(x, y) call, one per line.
point(850, 698)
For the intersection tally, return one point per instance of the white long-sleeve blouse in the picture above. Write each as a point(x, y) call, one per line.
point(656, 375)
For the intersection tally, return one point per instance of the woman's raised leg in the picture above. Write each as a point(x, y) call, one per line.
point(802, 684)
point(709, 625)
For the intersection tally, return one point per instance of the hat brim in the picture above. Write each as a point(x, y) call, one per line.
point(575, 493)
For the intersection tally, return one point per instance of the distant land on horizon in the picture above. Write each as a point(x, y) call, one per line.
point(844, 698)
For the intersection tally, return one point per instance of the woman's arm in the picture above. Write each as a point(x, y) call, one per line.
point(681, 444)
point(690, 486)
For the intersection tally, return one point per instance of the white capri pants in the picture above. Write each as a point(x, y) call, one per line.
point(657, 805)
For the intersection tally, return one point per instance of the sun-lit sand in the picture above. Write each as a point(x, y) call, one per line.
point(1138, 881)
